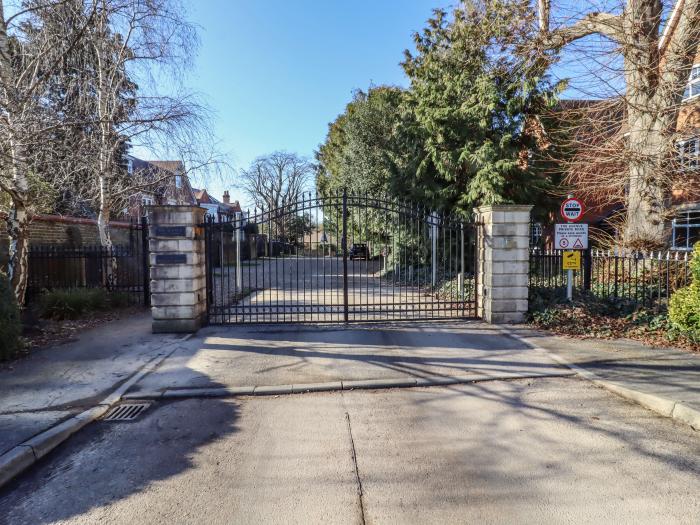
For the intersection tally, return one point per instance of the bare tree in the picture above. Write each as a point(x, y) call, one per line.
point(654, 68)
point(276, 179)
point(274, 184)
point(31, 51)
point(81, 82)
point(140, 49)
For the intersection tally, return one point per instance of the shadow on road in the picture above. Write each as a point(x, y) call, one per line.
point(97, 466)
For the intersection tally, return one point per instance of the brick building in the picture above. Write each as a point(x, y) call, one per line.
point(216, 208)
point(169, 184)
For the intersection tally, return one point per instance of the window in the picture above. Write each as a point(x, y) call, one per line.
point(693, 87)
point(535, 233)
point(685, 230)
point(130, 166)
point(146, 201)
point(689, 153)
point(178, 181)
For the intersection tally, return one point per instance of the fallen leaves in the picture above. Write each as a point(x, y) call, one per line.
point(579, 321)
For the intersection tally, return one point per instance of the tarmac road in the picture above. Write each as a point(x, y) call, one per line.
point(547, 450)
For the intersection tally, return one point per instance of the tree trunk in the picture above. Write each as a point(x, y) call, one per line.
point(18, 267)
point(647, 145)
point(103, 219)
point(650, 126)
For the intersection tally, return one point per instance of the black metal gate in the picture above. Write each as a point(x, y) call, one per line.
point(340, 258)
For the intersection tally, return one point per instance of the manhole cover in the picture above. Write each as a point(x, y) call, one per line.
point(126, 412)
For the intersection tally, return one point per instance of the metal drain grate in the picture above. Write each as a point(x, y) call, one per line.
point(126, 412)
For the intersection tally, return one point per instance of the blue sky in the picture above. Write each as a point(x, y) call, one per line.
point(277, 72)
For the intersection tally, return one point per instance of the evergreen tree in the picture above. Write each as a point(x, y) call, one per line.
point(471, 93)
point(361, 146)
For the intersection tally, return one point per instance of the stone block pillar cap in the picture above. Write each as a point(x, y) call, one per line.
point(504, 207)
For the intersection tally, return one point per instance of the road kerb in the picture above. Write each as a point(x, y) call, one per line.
point(334, 386)
point(380, 383)
point(116, 396)
point(18, 460)
point(659, 404)
point(318, 387)
point(688, 415)
point(439, 381)
point(45, 442)
point(15, 461)
point(273, 390)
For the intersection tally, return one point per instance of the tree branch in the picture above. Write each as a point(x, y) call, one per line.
point(605, 24)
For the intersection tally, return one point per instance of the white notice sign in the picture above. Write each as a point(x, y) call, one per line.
point(571, 236)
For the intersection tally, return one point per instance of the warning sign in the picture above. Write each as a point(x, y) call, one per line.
point(572, 210)
point(571, 260)
point(571, 236)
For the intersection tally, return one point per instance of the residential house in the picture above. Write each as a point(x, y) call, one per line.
point(166, 183)
point(685, 197)
point(219, 209)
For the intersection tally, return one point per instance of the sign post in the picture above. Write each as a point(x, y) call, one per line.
point(238, 232)
point(571, 237)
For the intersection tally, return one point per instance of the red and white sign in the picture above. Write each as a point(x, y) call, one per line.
point(571, 236)
point(572, 210)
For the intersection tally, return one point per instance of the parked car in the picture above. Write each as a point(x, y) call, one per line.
point(359, 251)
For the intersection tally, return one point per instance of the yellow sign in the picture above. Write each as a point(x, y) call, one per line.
point(571, 260)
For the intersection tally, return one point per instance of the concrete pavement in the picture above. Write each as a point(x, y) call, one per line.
point(548, 450)
point(310, 289)
point(247, 356)
point(666, 380)
point(56, 383)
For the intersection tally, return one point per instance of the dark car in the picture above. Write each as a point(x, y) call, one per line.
point(359, 251)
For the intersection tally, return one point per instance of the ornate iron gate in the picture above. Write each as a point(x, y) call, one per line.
point(340, 258)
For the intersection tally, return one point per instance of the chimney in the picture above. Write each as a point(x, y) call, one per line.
point(227, 197)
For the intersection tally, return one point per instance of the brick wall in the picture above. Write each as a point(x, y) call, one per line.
point(65, 231)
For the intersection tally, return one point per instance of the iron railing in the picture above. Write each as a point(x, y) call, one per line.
point(119, 268)
point(645, 279)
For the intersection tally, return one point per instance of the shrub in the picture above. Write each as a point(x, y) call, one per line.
point(72, 303)
point(121, 300)
point(684, 306)
point(10, 323)
point(695, 264)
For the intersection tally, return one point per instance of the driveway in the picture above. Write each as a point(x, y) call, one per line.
point(310, 289)
point(237, 356)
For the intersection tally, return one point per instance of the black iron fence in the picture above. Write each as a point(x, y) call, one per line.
point(645, 279)
point(340, 258)
point(118, 269)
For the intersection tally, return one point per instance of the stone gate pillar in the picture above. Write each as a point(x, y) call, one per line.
point(503, 262)
point(178, 274)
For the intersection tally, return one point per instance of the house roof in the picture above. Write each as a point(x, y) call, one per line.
point(176, 166)
point(201, 195)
